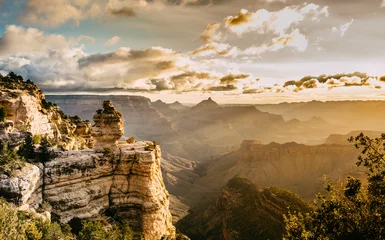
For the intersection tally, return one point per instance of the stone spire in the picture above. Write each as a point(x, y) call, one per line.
point(108, 128)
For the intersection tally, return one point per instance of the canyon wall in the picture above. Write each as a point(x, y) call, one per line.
point(125, 184)
point(296, 167)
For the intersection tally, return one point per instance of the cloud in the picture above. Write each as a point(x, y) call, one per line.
point(295, 40)
point(214, 48)
point(86, 38)
point(20, 40)
point(263, 21)
point(230, 78)
point(112, 41)
point(211, 32)
point(282, 24)
point(382, 4)
point(341, 29)
point(53, 13)
point(355, 79)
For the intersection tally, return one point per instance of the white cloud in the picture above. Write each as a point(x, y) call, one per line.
point(112, 41)
point(295, 40)
point(19, 40)
point(53, 13)
point(382, 4)
point(263, 21)
point(341, 29)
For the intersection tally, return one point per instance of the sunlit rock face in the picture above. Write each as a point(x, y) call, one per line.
point(26, 112)
point(108, 128)
point(126, 183)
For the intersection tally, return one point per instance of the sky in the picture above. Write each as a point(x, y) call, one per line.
point(236, 51)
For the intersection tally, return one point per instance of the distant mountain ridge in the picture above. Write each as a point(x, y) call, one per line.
point(349, 114)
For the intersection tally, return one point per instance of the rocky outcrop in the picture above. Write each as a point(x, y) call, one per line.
point(108, 128)
point(125, 184)
point(30, 112)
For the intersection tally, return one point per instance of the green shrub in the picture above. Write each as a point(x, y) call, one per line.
point(10, 227)
point(27, 150)
point(45, 154)
point(10, 160)
point(100, 229)
point(3, 114)
point(36, 139)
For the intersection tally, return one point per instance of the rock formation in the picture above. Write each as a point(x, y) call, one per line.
point(29, 111)
point(126, 184)
point(123, 181)
point(108, 128)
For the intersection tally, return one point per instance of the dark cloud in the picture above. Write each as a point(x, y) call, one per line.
point(242, 18)
point(228, 87)
point(160, 84)
point(233, 78)
point(123, 12)
point(126, 55)
point(325, 78)
point(355, 79)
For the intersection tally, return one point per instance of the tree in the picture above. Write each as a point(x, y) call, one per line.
point(27, 150)
point(3, 114)
point(350, 212)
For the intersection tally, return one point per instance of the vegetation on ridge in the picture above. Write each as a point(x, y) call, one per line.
point(354, 211)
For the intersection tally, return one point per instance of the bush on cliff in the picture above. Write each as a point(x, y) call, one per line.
point(15, 225)
point(27, 149)
point(10, 160)
point(350, 212)
point(100, 229)
point(44, 153)
point(3, 114)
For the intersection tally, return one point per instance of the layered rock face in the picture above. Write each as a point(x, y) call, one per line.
point(30, 112)
point(126, 183)
point(108, 128)
point(25, 111)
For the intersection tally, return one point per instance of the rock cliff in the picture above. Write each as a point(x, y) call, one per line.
point(296, 167)
point(28, 109)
